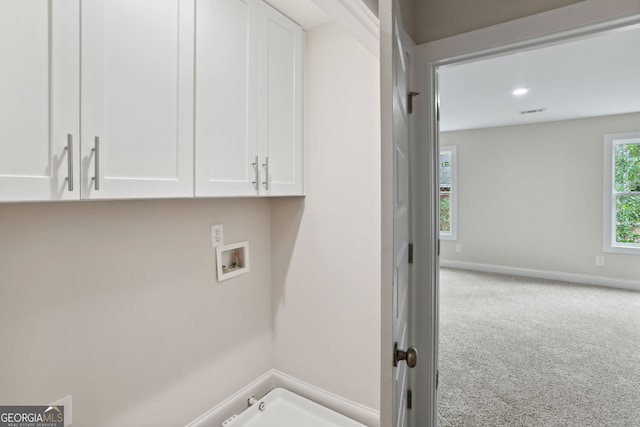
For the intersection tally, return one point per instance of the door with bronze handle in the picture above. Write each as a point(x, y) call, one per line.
point(410, 356)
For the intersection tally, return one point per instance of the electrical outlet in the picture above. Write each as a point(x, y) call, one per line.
point(217, 235)
point(458, 248)
point(68, 409)
point(599, 260)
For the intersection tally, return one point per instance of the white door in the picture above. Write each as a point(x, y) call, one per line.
point(401, 212)
point(39, 100)
point(137, 98)
point(226, 98)
point(280, 104)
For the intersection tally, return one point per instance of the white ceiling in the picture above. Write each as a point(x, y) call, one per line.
point(595, 76)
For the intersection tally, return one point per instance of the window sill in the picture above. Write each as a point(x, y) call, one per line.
point(626, 250)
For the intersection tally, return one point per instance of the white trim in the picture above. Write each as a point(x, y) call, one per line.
point(577, 20)
point(364, 15)
point(609, 208)
point(582, 279)
point(356, 18)
point(272, 379)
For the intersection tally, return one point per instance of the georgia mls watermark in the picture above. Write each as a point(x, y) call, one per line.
point(31, 416)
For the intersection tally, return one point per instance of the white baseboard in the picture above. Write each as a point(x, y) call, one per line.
point(237, 403)
point(582, 279)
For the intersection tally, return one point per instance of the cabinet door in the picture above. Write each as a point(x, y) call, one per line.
point(280, 104)
point(226, 97)
point(39, 99)
point(137, 98)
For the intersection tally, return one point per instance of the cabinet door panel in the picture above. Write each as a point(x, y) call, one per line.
point(39, 98)
point(226, 82)
point(280, 94)
point(137, 98)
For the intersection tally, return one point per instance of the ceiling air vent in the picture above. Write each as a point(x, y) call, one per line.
point(535, 110)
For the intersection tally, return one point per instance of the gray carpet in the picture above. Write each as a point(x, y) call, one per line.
point(528, 352)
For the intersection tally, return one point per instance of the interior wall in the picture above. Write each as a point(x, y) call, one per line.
point(326, 247)
point(117, 304)
point(531, 196)
point(437, 19)
point(407, 10)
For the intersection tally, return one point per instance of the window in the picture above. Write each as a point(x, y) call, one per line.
point(448, 193)
point(622, 193)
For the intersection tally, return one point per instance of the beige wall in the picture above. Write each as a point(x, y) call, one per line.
point(437, 19)
point(531, 196)
point(116, 303)
point(326, 248)
point(407, 9)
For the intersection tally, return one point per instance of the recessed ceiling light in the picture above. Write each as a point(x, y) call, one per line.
point(520, 91)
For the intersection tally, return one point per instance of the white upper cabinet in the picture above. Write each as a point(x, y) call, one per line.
point(280, 146)
point(39, 100)
point(226, 97)
point(174, 98)
point(248, 126)
point(137, 98)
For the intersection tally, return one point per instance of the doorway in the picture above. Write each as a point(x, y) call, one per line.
point(522, 133)
point(532, 32)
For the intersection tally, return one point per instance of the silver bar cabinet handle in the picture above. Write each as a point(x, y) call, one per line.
point(69, 149)
point(266, 173)
point(96, 164)
point(256, 172)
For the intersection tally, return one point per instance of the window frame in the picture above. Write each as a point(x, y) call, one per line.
point(609, 197)
point(453, 194)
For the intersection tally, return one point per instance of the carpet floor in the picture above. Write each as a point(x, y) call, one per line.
point(528, 352)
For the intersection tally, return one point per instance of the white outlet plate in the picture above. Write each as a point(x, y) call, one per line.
point(217, 235)
point(599, 260)
point(68, 409)
point(458, 248)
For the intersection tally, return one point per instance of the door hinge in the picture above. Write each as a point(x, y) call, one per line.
point(410, 96)
point(437, 378)
point(410, 253)
point(409, 399)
